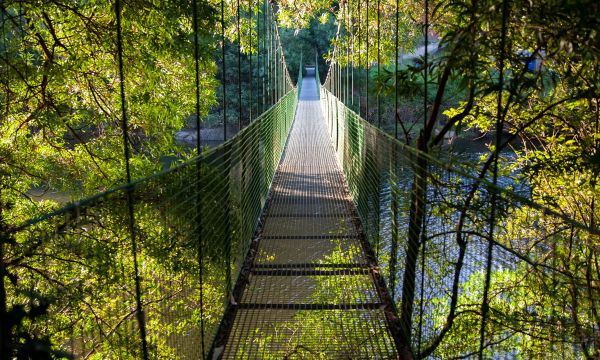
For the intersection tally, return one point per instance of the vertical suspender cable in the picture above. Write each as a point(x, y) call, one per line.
point(239, 64)
point(394, 181)
point(270, 60)
point(367, 64)
point(338, 68)
point(359, 60)
point(224, 69)
point(279, 61)
point(258, 76)
point(425, 66)
point(267, 59)
point(339, 76)
point(378, 245)
point(275, 62)
point(138, 293)
point(269, 55)
point(278, 67)
point(378, 62)
point(499, 126)
point(279, 76)
point(276, 55)
point(256, 5)
point(332, 70)
point(199, 174)
point(228, 244)
point(344, 78)
point(348, 69)
point(282, 57)
point(396, 73)
point(351, 20)
point(262, 62)
point(250, 70)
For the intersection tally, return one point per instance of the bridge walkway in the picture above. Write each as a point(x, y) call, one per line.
point(309, 293)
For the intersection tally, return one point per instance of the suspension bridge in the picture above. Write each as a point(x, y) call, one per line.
point(310, 234)
point(309, 261)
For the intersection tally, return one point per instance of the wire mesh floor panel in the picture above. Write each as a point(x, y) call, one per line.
point(309, 293)
point(338, 287)
point(309, 334)
point(292, 207)
point(299, 226)
point(309, 251)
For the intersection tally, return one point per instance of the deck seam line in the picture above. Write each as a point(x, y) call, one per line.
point(285, 306)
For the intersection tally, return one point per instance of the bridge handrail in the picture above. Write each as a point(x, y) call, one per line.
point(136, 182)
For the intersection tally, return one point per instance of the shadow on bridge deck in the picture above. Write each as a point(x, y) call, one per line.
point(310, 291)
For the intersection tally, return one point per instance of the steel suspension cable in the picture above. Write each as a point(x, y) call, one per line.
point(250, 69)
point(223, 70)
point(348, 69)
point(351, 20)
point(269, 56)
point(426, 64)
point(199, 172)
point(228, 281)
point(239, 64)
point(275, 63)
point(263, 67)
point(358, 10)
point(367, 64)
point(126, 152)
point(258, 63)
point(396, 72)
point(378, 63)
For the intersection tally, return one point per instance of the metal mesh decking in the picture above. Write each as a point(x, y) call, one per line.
point(310, 293)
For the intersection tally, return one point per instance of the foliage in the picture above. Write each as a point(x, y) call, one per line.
point(61, 103)
point(310, 43)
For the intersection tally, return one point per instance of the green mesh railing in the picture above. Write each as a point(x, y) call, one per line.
point(437, 278)
point(78, 263)
point(300, 77)
point(318, 79)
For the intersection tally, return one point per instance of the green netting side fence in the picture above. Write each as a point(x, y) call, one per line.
point(74, 267)
point(541, 261)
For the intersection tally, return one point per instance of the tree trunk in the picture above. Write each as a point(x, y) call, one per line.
point(417, 209)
